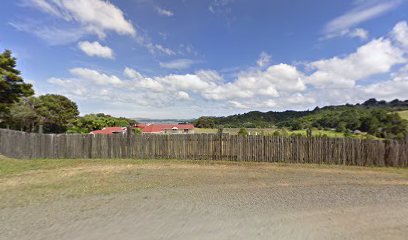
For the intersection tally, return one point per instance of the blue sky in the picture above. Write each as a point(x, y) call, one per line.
point(184, 59)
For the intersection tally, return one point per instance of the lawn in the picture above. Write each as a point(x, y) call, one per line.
point(270, 131)
point(404, 114)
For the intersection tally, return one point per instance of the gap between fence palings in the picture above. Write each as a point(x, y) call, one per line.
point(345, 151)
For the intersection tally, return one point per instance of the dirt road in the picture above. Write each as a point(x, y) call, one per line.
point(179, 200)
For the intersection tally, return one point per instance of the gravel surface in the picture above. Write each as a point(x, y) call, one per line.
point(188, 201)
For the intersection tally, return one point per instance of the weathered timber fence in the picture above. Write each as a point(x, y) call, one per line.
point(346, 151)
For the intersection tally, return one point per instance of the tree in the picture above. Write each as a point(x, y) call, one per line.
point(57, 112)
point(97, 121)
point(370, 102)
point(24, 115)
point(12, 86)
point(204, 122)
point(243, 132)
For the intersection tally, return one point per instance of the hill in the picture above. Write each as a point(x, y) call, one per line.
point(378, 118)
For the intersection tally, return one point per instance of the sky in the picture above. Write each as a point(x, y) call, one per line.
point(191, 58)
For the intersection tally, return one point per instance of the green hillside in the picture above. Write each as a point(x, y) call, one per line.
point(378, 118)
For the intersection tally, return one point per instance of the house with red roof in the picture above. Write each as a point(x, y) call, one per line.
point(166, 128)
point(110, 130)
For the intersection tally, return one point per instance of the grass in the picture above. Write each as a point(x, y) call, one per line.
point(270, 131)
point(35, 181)
point(404, 114)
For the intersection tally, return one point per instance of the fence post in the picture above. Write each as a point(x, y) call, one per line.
point(129, 133)
point(309, 132)
point(308, 139)
point(220, 130)
point(41, 129)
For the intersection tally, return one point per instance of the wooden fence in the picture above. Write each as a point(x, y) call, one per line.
point(346, 151)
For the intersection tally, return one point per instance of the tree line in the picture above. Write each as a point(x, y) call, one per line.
point(21, 110)
point(377, 118)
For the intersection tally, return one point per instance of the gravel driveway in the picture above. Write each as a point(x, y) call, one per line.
point(190, 201)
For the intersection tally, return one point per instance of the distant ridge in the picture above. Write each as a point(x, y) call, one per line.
point(154, 120)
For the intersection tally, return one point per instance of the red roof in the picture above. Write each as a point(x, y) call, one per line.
point(109, 130)
point(140, 125)
point(157, 128)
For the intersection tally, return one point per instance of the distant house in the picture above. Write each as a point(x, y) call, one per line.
point(110, 130)
point(166, 128)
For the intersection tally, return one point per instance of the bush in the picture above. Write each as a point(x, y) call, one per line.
point(242, 132)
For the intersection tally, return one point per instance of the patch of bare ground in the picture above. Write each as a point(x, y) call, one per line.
point(204, 200)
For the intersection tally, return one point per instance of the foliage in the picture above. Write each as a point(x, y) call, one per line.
point(377, 118)
point(204, 122)
point(57, 112)
point(12, 85)
point(243, 132)
point(98, 121)
point(137, 131)
point(24, 115)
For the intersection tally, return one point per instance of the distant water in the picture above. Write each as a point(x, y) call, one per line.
point(163, 121)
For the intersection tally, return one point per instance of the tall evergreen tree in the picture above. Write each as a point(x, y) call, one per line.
point(12, 85)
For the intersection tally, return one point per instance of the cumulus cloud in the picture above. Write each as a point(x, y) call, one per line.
point(378, 69)
point(275, 81)
point(396, 87)
point(375, 57)
point(96, 77)
point(96, 49)
point(400, 33)
point(181, 95)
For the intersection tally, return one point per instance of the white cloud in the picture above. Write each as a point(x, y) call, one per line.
point(132, 74)
point(177, 64)
point(359, 33)
point(76, 19)
point(96, 49)
point(96, 77)
point(186, 82)
point(375, 57)
point(363, 11)
point(70, 85)
point(264, 59)
point(157, 48)
point(396, 87)
point(209, 76)
point(94, 16)
point(181, 95)
point(164, 12)
point(238, 105)
point(275, 81)
point(378, 69)
point(400, 33)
